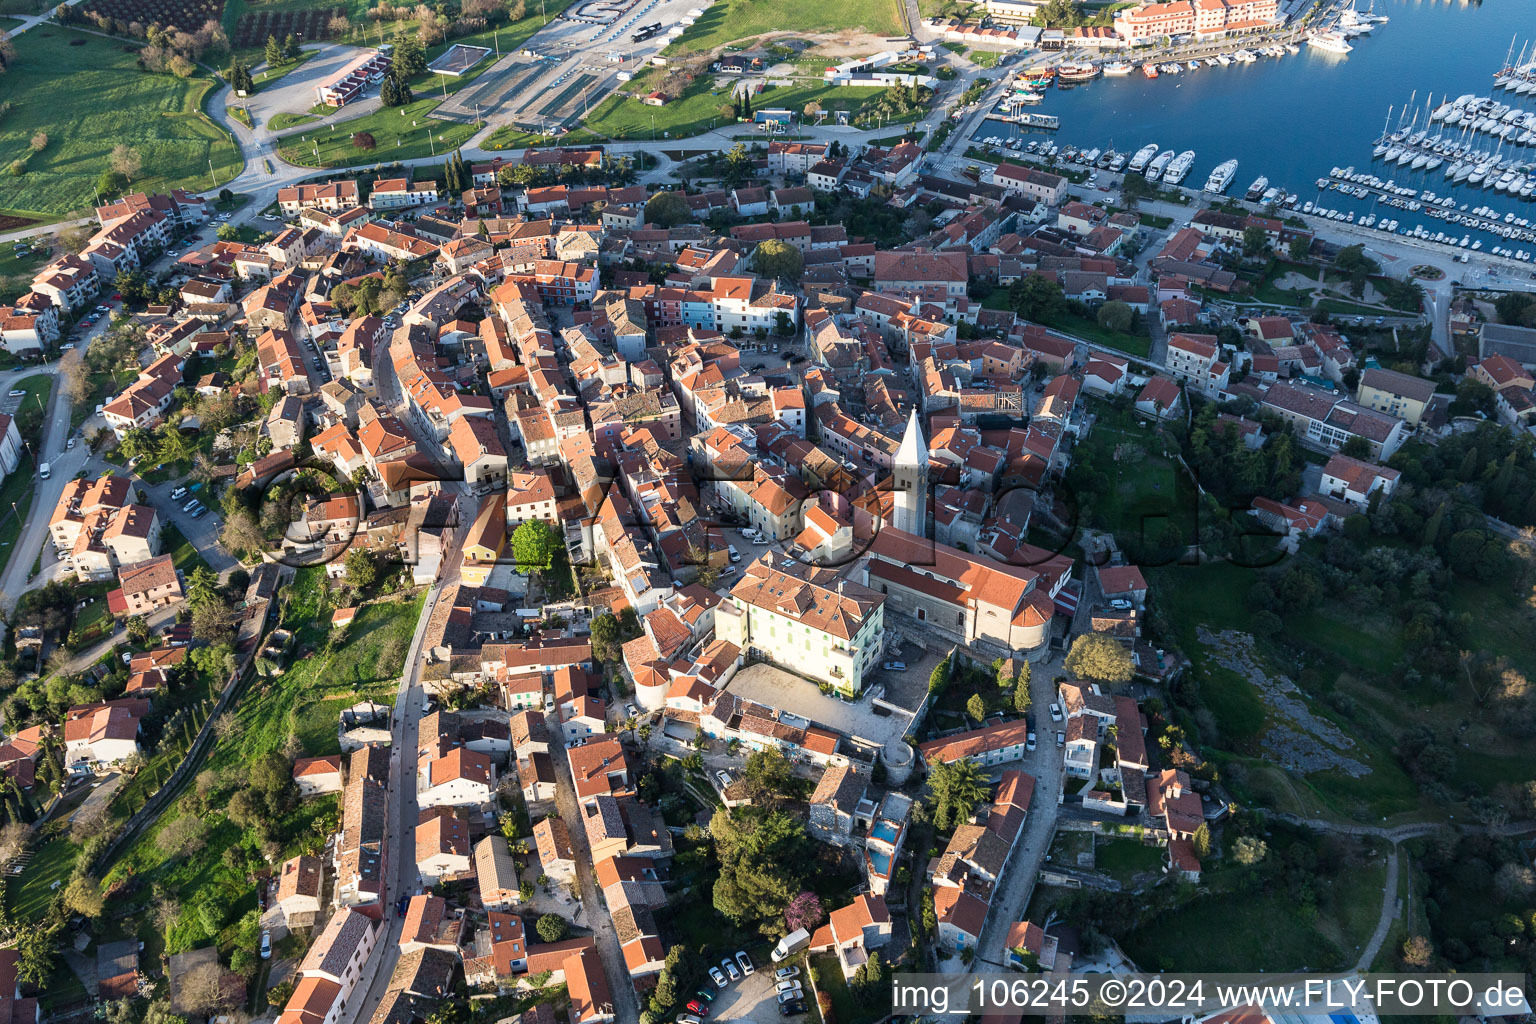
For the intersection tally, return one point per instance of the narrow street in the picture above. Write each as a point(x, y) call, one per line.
point(626, 1004)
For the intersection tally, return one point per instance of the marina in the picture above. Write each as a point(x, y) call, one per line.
point(1479, 152)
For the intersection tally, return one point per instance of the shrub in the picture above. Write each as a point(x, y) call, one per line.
point(363, 141)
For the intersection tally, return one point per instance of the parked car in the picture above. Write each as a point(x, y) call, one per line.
point(706, 995)
point(630, 711)
point(1061, 739)
point(790, 997)
point(744, 962)
point(18, 393)
point(699, 1007)
point(1120, 604)
point(1055, 712)
point(103, 309)
point(266, 945)
point(793, 1009)
point(724, 778)
point(791, 985)
point(688, 1018)
point(895, 666)
point(178, 494)
point(199, 512)
point(1029, 741)
point(730, 968)
point(189, 506)
point(70, 443)
point(787, 972)
point(716, 977)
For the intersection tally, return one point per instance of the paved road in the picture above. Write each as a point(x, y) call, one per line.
point(1010, 901)
point(1389, 910)
point(64, 463)
point(625, 1003)
point(33, 20)
point(401, 853)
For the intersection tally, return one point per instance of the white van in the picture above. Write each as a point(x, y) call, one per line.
point(731, 550)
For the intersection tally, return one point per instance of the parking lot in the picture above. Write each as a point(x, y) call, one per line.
point(754, 998)
point(294, 93)
point(799, 697)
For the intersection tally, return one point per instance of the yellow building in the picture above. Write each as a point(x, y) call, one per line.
point(1396, 394)
point(486, 541)
point(813, 623)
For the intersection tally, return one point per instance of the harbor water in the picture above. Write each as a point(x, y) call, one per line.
point(1294, 118)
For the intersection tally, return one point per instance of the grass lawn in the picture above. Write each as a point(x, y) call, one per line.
point(1124, 859)
point(16, 271)
point(1083, 327)
point(286, 120)
point(1215, 596)
point(731, 20)
point(15, 497)
point(1146, 487)
point(28, 895)
point(31, 409)
point(399, 133)
point(848, 1006)
point(183, 555)
point(698, 110)
point(986, 58)
point(304, 700)
point(267, 76)
point(1268, 930)
point(318, 684)
point(89, 98)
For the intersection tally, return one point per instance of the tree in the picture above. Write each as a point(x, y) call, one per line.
point(812, 110)
point(1134, 188)
point(804, 911)
point(938, 679)
point(763, 857)
point(409, 59)
point(125, 160)
point(778, 259)
point(533, 545)
point(1249, 850)
point(1101, 658)
point(1116, 316)
point(767, 773)
point(552, 927)
point(77, 384)
point(202, 587)
point(1255, 240)
point(1202, 841)
point(956, 787)
point(364, 141)
point(83, 896)
point(1300, 247)
point(1021, 695)
point(1418, 953)
point(274, 52)
point(290, 47)
point(976, 707)
point(39, 142)
point(1037, 298)
point(667, 210)
point(38, 946)
point(361, 570)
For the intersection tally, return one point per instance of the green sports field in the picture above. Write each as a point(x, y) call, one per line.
point(88, 98)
